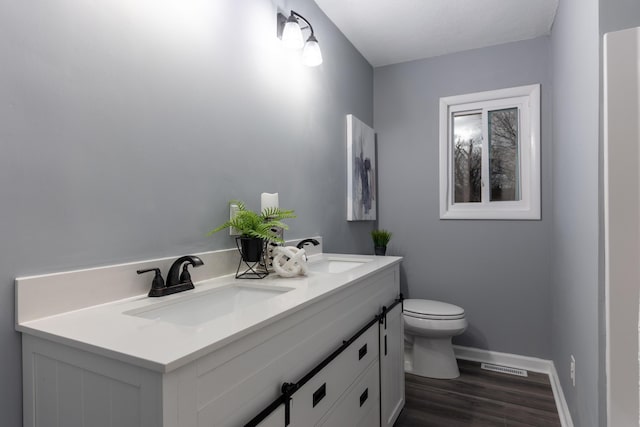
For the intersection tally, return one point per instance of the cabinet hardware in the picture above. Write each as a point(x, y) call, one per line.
point(385, 345)
point(319, 394)
point(255, 421)
point(383, 315)
point(287, 390)
point(362, 352)
point(364, 396)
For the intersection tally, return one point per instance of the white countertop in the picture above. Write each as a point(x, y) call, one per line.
point(164, 346)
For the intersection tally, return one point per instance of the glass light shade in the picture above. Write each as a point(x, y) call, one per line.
point(292, 34)
point(311, 55)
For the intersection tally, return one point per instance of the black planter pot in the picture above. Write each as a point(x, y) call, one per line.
point(252, 258)
point(251, 249)
point(380, 250)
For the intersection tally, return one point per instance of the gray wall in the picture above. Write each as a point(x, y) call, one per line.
point(125, 127)
point(576, 246)
point(618, 15)
point(497, 270)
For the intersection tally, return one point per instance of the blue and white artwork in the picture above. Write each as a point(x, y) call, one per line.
point(361, 171)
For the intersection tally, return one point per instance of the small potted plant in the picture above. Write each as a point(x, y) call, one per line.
point(255, 229)
point(380, 240)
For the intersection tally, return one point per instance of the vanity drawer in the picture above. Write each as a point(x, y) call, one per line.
point(360, 406)
point(322, 391)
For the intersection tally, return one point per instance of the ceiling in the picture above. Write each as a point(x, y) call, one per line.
point(391, 31)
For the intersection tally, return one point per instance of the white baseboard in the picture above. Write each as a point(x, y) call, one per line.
point(523, 362)
point(563, 409)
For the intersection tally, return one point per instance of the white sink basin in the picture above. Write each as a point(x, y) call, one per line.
point(194, 309)
point(335, 264)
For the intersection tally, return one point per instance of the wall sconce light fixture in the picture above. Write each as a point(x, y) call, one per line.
point(290, 32)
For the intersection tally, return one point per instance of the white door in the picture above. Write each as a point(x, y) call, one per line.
point(622, 222)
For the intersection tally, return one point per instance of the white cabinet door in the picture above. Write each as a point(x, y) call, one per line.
point(391, 366)
point(275, 419)
point(358, 404)
point(315, 398)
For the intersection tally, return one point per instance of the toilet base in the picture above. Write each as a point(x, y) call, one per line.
point(432, 358)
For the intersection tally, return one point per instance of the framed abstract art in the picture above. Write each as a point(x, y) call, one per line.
point(361, 171)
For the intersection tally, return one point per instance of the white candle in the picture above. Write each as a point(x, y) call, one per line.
point(269, 200)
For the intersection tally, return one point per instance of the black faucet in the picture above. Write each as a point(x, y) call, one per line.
point(175, 283)
point(304, 242)
point(185, 277)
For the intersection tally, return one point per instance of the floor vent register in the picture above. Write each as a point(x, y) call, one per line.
point(504, 369)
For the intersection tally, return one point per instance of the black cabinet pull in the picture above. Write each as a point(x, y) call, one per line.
point(364, 396)
point(362, 352)
point(385, 345)
point(319, 394)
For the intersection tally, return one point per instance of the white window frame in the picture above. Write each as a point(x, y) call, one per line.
point(527, 100)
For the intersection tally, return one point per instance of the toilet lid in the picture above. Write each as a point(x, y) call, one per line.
point(428, 309)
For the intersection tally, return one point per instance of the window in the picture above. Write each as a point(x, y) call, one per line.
point(490, 155)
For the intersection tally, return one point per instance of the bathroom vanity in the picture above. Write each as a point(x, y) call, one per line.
point(218, 355)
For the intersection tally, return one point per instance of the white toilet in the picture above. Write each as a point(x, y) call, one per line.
point(428, 329)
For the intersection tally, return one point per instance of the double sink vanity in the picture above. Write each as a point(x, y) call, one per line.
point(321, 349)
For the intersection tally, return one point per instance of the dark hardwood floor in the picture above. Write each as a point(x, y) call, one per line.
point(479, 398)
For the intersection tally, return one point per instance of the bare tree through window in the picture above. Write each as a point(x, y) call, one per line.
point(467, 134)
point(503, 155)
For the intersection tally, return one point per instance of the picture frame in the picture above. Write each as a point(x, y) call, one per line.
point(362, 166)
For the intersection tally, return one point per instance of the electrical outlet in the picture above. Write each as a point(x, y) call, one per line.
point(233, 211)
point(573, 370)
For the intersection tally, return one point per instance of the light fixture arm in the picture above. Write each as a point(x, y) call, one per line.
point(282, 19)
point(297, 15)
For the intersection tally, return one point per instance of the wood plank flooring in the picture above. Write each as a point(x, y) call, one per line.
point(479, 398)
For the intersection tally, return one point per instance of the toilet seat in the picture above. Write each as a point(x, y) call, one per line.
point(433, 310)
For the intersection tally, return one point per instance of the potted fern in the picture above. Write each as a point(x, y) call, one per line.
point(255, 229)
point(380, 240)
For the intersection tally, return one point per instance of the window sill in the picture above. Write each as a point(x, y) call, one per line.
point(510, 214)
